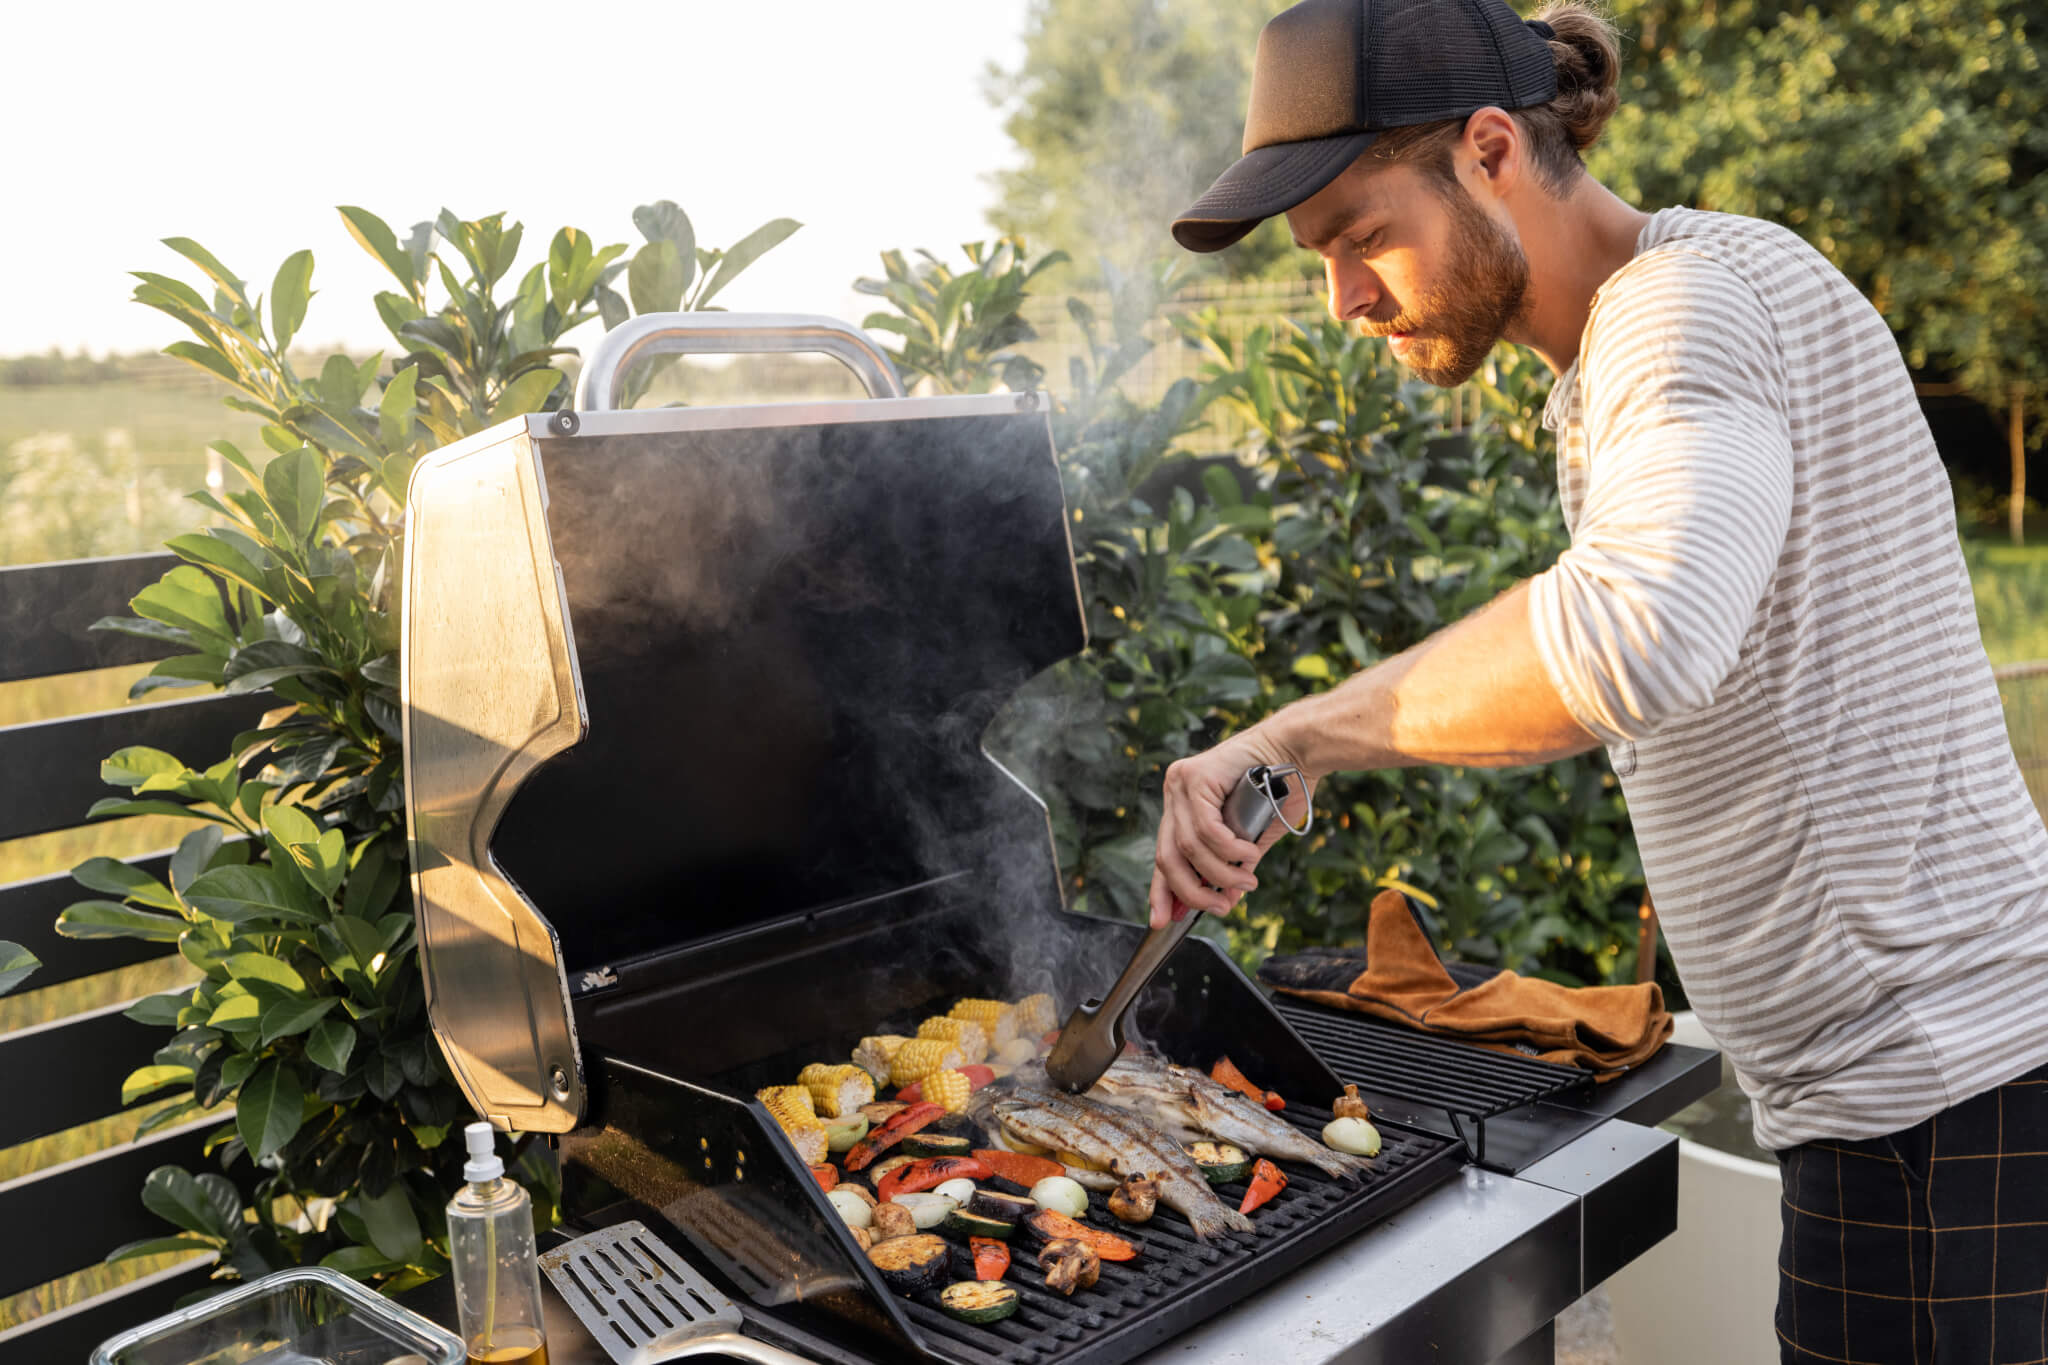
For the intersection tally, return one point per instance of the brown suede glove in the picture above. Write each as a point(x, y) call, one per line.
point(1397, 976)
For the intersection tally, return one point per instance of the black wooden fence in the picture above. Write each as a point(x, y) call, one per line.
point(61, 1074)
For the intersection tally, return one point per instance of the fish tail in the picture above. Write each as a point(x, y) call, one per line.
point(1336, 1164)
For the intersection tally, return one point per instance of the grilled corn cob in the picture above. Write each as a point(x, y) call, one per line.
point(997, 1020)
point(949, 1088)
point(790, 1105)
point(920, 1057)
point(837, 1091)
point(1036, 1016)
point(965, 1034)
point(873, 1054)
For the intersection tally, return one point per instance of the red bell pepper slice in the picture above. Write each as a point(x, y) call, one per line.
point(1018, 1168)
point(826, 1176)
point(1225, 1072)
point(991, 1257)
point(929, 1173)
point(1052, 1226)
point(1267, 1181)
point(889, 1134)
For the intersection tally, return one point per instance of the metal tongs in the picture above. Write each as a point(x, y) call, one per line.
point(1094, 1032)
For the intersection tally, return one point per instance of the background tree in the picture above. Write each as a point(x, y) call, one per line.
point(1124, 111)
point(1905, 141)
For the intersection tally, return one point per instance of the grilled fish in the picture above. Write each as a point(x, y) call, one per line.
point(1184, 1102)
point(1123, 1142)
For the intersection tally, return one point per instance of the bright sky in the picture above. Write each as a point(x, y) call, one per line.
point(242, 125)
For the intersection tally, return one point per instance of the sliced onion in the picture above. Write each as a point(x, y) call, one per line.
point(852, 1208)
point(1061, 1194)
point(927, 1210)
point(1355, 1136)
point(959, 1191)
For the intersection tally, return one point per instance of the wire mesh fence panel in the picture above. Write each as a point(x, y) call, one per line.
point(2023, 688)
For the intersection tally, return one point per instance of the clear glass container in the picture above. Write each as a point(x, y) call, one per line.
point(307, 1316)
point(497, 1278)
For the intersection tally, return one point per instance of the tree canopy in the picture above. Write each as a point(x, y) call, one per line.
point(1905, 140)
point(1124, 111)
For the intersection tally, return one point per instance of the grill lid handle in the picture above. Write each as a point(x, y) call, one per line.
point(653, 334)
point(1094, 1033)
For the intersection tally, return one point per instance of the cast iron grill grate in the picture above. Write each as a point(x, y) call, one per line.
point(1471, 1084)
point(1178, 1280)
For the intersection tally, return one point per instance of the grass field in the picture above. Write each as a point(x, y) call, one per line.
point(102, 469)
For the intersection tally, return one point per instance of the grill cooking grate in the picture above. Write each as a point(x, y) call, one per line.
point(1177, 1279)
point(1471, 1084)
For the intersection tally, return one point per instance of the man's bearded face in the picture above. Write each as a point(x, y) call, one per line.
point(1454, 320)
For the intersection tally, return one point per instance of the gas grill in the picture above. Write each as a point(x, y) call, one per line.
point(693, 701)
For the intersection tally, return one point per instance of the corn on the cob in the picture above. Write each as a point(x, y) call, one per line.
point(790, 1106)
point(965, 1034)
point(873, 1054)
point(920, 1057)
point(997, 1020)
point(1036, 1016)
point(837, 1091)
point(949, 1088)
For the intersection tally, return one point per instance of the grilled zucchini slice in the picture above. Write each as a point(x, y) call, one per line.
point(979, 1300)
point(1221, 1162)
point(911, 1265)
point(937, 1144)
point(978, 1225)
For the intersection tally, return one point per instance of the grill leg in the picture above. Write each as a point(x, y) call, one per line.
point(1538, 1348)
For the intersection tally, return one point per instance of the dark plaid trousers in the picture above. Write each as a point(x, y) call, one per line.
point(1927, 1247)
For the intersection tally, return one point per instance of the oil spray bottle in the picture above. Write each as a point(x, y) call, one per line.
point(490, 1246)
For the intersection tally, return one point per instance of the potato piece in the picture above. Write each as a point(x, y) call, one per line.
point(893, 1220)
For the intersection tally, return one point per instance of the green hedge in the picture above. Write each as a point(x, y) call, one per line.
point(1351, 524)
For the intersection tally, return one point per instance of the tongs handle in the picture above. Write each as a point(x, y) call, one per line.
point(1094, 1032)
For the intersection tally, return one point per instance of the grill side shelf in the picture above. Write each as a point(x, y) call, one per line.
point(1470, 1084)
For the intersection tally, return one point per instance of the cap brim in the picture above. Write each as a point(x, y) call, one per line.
point(1265, 182)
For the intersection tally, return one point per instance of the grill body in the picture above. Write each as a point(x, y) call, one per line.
point(693, 704)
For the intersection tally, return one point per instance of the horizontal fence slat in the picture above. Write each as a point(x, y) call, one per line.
point(70, 1216)
point(52, 767)
point(46, 609)
point(73, 1068)
point(70, 1334)
point(28, 916)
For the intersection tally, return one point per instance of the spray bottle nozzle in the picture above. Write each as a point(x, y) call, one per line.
point(483, 1164)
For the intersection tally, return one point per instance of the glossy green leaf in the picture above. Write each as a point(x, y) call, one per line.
point(147, 1080)
point(394, 409)
point(330, 1043)
point(117, 878)
point(236, 894)
point(393, 1226)
point(744, 253)
point(160, 1246)
point(111, 919)
point(269, 1108)
point(16, 964)
point(162, 1009)
point(359, 1262)
point(186, 597)
point(289, 294)
point(215, 271)
point(283, 1018)
point(263, 967)
point(526, 394)
point(377, 238)
point(295, 487)
point(173, 1195)
point(655, 280)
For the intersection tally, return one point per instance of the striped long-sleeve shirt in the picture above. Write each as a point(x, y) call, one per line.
point(1765, 616)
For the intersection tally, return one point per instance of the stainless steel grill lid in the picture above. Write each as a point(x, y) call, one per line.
point(675, 674)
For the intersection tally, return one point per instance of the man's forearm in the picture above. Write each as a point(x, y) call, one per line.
point(1474, 693)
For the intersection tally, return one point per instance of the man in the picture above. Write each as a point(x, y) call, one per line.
point(1764, 616)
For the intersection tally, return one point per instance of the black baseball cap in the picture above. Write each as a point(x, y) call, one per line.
point(1332, 75)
